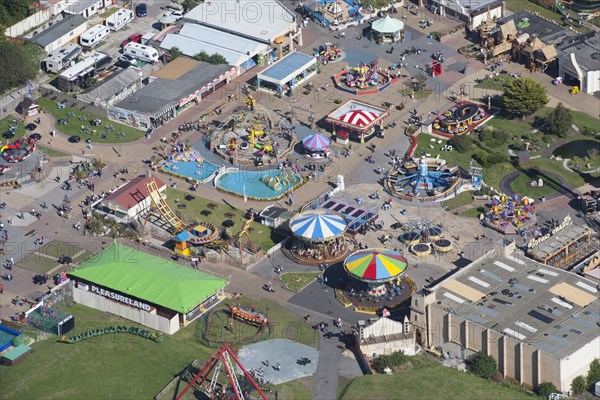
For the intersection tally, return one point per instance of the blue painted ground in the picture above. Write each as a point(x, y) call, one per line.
point(190, 169)
point(253, 183)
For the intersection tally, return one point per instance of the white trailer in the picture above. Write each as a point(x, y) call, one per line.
point(92, 37)
point(141, 52)
point(61, 58)
point(119, 19)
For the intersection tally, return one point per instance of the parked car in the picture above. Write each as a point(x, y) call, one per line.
point(177, 14)
point(35, 136)
point(8, 135)
point(74, 139)
point(30, 127)
point(125, 61)
point(141, 10)
point(135, 38)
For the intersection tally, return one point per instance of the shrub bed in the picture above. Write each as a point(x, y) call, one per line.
point(155, 336)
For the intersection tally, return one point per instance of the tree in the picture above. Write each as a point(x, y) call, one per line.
point(578, 385)
point(545, 389)
point(13, 11)
point(20, 63)
point(484, 366)
point(214, 58)
point(593, 374)
point(420, 81)
point(175, 52)
point(461, 143)
point(523, 97)
point(559, 121)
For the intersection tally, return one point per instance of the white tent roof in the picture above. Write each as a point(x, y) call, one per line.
point(387, 25)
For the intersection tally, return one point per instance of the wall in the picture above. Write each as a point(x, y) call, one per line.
point(578, 363)
point(141, 317)
point(388, 347)
point(383, 326)
point(29, 23)
point(592, 83)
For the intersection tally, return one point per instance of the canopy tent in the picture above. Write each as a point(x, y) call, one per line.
point(150, 278)
point(373, 265)
point(318, 225)
point(387, 25)
point(359, 118)
point(316, 142)
point(334, 8)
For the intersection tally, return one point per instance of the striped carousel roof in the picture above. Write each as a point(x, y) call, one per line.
point(359, 118)
point(375, 264)
point(317, 225)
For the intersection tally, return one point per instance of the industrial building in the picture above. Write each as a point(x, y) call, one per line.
point(540, 323)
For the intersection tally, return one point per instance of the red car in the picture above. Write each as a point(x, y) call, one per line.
point(136, 38)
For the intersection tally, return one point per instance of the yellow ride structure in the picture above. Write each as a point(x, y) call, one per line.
point(163, 208)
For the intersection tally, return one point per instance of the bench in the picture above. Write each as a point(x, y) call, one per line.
point(182, 206)
point(229, 215)
point(211, 206)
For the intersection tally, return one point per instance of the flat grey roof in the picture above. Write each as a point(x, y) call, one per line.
point(58, 30)
point(558, 241)
point(547, 308)
point(111, 85)
point(537, 26)
point(263, 20)
point(586, 48)
point(77, 7)
point(287, 66)
point(162, 94)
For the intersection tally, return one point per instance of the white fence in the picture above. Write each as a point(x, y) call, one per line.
point(35, 20)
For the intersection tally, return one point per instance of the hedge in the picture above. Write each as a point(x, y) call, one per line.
point(155, 336)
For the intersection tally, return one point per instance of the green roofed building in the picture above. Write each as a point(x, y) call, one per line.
point(149, 290)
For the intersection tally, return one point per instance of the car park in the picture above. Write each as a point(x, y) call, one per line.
point(135, 38)
point(30, 127)
point(35, 136)
point(141, 10)
point(74, 139)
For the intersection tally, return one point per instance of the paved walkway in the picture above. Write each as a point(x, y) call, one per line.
point(327, 376)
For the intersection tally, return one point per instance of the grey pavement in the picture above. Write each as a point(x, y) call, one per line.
point(327, 375)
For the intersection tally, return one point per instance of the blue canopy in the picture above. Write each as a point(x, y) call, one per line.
point(317, 225)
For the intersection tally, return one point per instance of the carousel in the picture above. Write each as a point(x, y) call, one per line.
point(316, 147)
point(510, 215)
point(318, 236)
point(359, 119)
point(376, 280)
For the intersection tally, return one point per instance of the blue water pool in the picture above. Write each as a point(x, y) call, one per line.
point(259, 184)
point(6, 337)
point(190, 169)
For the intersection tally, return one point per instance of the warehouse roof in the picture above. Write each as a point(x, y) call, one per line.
point(149, 278)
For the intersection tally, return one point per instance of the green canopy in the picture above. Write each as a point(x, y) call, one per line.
point(387, 25)
point(150, 278)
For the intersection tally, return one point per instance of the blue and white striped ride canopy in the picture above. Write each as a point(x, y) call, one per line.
point(315, 225)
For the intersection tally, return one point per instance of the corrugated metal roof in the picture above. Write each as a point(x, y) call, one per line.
point(286, 66)
point(190, 47)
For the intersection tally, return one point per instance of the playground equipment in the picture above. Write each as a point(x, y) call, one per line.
point(223, 359)
point(249, 317)
point(245, 233)
point(17, 151)
point(286, 178)
point(163, 208)
point(430, 175)
point(574, 90)
point(504, 213)
point(250, 102)
point(327, 53)
point(458, 119)
point(362, 76)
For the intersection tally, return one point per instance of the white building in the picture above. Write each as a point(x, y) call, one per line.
point(386, 336)
point(64, 31)
point(540, 323)
point(129, 201)
point(579, 65)
point(266, 21)
point(85, 8)
point(473, 13)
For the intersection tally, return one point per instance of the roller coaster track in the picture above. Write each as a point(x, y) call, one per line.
point(163, 208)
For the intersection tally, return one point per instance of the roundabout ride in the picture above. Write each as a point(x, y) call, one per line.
point(424, 177)
point(318, 236)
point(461, 119)
point(510, 215)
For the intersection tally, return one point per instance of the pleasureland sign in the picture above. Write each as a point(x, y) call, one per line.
point(535, 242)
point(120, 298)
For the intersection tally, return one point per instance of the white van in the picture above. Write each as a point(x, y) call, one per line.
point(119, 19)
point(141, 52)
point(93, 36)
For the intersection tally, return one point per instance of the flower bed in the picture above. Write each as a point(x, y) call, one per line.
point(155, 336)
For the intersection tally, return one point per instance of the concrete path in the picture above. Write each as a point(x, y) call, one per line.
point(326, 378)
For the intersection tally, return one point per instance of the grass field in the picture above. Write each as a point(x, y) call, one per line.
point(496, 83)
point(73, 127)
point(523, 184)
point(462, 199)
point(223, 329)
point(430, 383)
point(470, 213)
point(296, 281)
point(299, 389)
point(38, 263)
point(50, 152)
point(419, 94)
point(262, 235)
point(5, 124)
point(121, 366)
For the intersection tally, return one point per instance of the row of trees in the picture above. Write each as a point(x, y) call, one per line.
point(485, 366)
point(214, 58)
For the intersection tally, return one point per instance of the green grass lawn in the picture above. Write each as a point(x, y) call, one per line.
point(262, 235)
point(56, 249)
point(299, 389)
point(462, 199)
point(523, 184)
point(430, 383)
point(121, 366)
point(5, 124)
point(296, 281)
point(220, 329)
point(470, 213)
point(496, 83)
point(519, 5)
point(73, 127)
point(50, 152)
point(37, 263)
point(419, 94)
